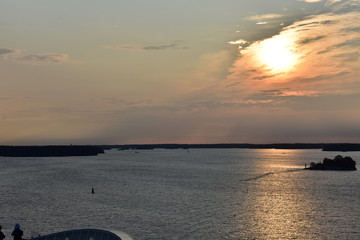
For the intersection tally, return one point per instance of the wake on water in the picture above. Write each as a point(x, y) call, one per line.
point(271, 173)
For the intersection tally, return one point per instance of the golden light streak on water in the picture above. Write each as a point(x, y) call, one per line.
point(280, 206)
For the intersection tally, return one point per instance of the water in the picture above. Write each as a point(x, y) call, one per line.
point(180, 194)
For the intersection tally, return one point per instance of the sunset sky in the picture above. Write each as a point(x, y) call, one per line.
point(179, 71)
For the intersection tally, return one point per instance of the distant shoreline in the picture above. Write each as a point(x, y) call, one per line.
point(93, 150)
point(50, 151)
point(342, 147)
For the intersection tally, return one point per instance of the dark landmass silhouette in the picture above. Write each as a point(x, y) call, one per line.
point(91, 150)
point(342, 147)
point(49, 151)
point(338, 163)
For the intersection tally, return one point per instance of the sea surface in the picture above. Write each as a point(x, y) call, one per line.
point(183, 194)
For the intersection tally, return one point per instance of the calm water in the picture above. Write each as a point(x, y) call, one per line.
point(176, 194)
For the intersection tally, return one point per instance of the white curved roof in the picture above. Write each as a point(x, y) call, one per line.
point(85, 234)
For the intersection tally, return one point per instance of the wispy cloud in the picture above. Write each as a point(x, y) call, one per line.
point(310, 39)
point(328, 1)
point(44, 58)
point(327, 50)
point(264, 17)
point(343, 6)
point(162, 47)
point(175, 45)
point(18, 55)
point(6, 52)
point(311, 1)
point(241, 43)
point(316, 58)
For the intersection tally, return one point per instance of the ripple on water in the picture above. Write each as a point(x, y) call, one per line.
point(172, 194)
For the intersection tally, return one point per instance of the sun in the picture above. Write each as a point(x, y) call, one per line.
point(277, 54)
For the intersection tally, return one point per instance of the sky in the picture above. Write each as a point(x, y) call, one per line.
point(179, 71)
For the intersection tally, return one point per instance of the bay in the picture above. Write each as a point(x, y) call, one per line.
point(183, 194)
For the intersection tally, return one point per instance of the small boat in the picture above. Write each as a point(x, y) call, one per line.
point(85, 234)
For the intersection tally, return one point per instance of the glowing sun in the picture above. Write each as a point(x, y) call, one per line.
point(277, 54)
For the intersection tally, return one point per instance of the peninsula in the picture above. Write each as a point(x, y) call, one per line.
point(49, 151)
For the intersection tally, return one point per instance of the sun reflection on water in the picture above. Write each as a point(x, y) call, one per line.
point(279, 202)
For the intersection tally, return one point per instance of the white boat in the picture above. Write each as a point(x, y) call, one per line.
point(85, 234)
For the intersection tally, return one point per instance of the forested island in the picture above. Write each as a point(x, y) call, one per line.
point(338, 163)
point(50, 151)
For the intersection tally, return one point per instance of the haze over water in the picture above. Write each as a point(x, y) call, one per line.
point(176, 194)
point(180, 71)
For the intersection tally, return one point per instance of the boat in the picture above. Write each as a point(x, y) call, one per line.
point(85, 234)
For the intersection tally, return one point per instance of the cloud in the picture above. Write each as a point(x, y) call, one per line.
point(310, 39)
point(264, 17)
point(321, 102)
point(3, 97)
point(209, 68)
point(18, 55)
point(328, 2)
point(241, 43)
point(319, 53)
point(238, 42)
point(344, 6)
point(316, 58)
point(311, 1)
point(44, 58)
point(162, 47)
point(120, 103)
point(6, 52)
point(175, 45)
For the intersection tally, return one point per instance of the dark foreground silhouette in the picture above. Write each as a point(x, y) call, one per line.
point(17, 233)
point(49, 151)
point(2, 236)
point(338, 163)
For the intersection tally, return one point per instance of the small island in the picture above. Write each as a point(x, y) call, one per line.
point(338, 163)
